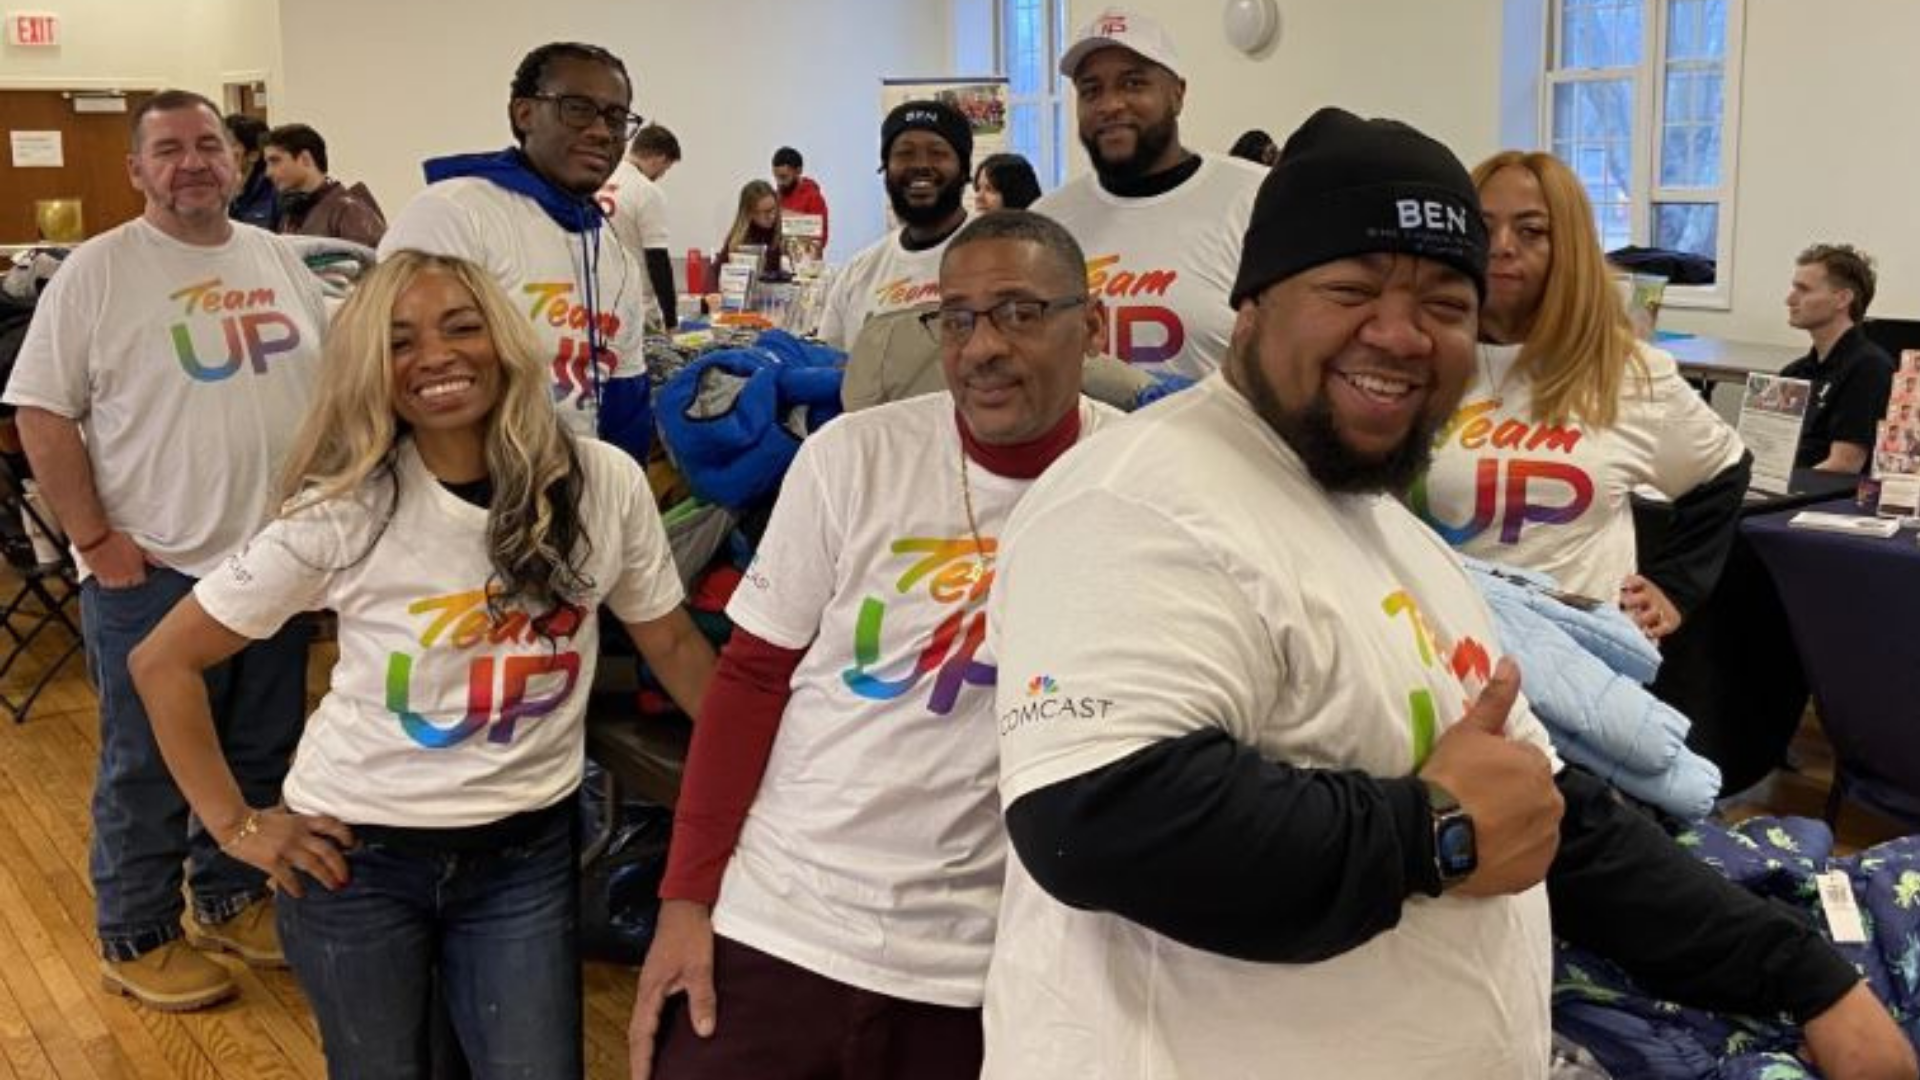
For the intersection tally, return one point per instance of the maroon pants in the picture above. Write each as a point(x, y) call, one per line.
point(778, 1021)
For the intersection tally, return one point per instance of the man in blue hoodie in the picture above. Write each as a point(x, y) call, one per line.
point(527, 214)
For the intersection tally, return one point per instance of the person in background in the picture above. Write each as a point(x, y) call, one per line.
point(637, 209)
point(1161, 224)
point(1256, 146)
point(926, 155)
point(1004, 182)
point(799, 194)
point(528, 214)
point(167, 366)
point(1566, 414)
point(1852, 376)
point(313, 203)
point(756, 222)
point(255, 201)
point(467, 543)
point(1276, 805)
point(837, 856)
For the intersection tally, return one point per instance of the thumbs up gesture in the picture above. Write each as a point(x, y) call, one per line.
point(1506, 786)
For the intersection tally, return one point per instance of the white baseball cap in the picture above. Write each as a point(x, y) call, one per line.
point(1118, 27)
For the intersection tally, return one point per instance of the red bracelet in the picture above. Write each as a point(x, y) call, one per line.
point(95, 542)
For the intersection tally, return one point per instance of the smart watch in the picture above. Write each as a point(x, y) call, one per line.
point(1454, 853)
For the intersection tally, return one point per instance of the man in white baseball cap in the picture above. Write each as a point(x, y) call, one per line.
point(1161, 224)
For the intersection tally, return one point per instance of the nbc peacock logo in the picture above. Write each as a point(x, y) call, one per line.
point(1042, 684)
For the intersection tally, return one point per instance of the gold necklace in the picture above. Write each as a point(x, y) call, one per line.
point(981, 558)
point(1486, 366)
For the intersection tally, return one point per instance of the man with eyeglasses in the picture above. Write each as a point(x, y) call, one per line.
point(835, 870)
point(529, 215)
point(926, 156)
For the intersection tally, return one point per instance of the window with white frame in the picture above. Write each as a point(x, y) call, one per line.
point(1031, 36)
point(1641, 100)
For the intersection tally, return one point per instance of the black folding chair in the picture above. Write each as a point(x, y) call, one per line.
point(46, 595)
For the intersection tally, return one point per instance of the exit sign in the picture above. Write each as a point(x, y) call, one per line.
point(33, 29)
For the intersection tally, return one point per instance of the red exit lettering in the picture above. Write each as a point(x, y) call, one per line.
point(35, 30)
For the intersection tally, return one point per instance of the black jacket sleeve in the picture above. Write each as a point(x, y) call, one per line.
point(1623, 889)
point(1694, 550)
point(1204, 841)
point(660, 272)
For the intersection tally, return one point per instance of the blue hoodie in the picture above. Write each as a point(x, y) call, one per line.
point(625, 416)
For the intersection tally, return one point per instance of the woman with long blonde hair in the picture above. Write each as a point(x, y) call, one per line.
point(467, 542)
point(1567, 413)
point(756, 221)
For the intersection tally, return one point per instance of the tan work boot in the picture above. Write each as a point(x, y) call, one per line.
point(250, 935)
point(171, 978)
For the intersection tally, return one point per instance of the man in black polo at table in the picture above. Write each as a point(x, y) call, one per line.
point(1851, 376)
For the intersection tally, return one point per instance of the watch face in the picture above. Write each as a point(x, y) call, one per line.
point(1453, 847)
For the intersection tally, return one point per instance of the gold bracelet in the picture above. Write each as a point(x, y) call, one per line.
point(247, 828)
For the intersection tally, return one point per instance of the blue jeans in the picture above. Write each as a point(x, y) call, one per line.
point(496, 928)
point(142, 831)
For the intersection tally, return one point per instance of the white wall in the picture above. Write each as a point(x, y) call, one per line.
point(389, 84)
point(191, 44)
point(1432, 63)
point(1829, 150)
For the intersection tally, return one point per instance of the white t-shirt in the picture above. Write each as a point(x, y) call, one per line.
point(873, 854)
point(189, 370)
point(542, 267)
point(437, 715)
point(883, 277)
point(1182, 572)
point(636, 208)
point(1164, 265)
point(1554, 497)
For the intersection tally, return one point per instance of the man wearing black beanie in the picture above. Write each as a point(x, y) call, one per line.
point(1277, 805)
point(926, 156)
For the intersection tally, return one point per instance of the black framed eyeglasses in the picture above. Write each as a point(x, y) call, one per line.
point(1012, 318)
point(578, 112)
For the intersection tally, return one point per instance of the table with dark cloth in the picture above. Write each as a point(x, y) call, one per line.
point(1851, 601)
point(1731, 668)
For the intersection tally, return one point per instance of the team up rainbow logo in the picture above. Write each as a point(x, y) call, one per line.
point(1514, 486)
point(951, 572)
point(1042, 684)
point(223, 327)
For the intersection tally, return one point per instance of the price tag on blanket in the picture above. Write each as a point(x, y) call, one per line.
point(1843, 915)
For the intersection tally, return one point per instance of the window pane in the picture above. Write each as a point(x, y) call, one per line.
point(1024, 45)
point(1592, 133)
point(1690, 125)
point(1600, 33)
point(1024, 130)
point(1689, 227)
point(1696, 29)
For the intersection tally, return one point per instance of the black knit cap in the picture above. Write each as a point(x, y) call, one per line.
point(936, 116)
point(1345, 186)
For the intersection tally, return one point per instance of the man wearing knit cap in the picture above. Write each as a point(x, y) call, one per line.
point(1161, 223)
point(926, 155)
point(1277, 806)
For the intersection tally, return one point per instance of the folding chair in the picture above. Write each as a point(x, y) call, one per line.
point(46, 596)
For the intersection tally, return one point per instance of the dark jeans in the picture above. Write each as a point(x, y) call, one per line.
point(497, 928)
point(142, 831)
point(779, 1021)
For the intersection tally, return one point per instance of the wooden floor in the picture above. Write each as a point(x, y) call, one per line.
point(56, 1022)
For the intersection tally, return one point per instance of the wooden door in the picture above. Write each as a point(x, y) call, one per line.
point(94, 146)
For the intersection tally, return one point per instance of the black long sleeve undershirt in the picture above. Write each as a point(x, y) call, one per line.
point(1699, 535)
point(1622, 888)
point(1202, 840)
point(660, 272)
